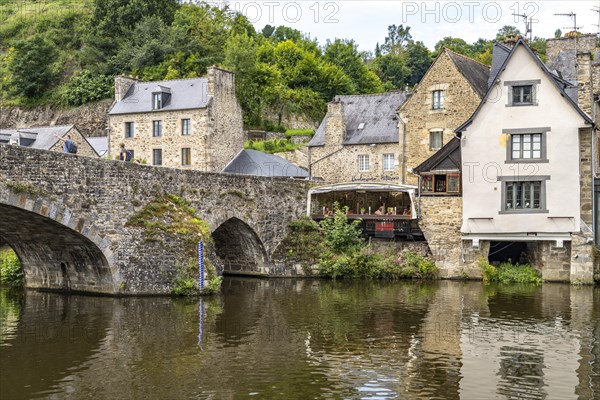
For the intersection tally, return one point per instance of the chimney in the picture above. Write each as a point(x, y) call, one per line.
point(335, 131)
point(220, 81)
point(585, 94)
point(122, 85)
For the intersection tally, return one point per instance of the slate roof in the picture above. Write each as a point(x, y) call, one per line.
point(100, 144)
point(499, 54)
point(376, 111)
point(257, 163)
point(186, 94)
point(36, 138)
point(474, 72)
point(560, 84)
point(446, 158)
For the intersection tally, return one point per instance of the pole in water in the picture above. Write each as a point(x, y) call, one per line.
point(201, 263)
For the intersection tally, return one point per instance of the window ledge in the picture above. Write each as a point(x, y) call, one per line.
point(532, 211)
point(527, 161)
point(522, 105)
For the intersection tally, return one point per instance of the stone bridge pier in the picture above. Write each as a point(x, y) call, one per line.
point(68, 218)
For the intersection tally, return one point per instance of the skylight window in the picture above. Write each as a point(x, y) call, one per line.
point(361, 126)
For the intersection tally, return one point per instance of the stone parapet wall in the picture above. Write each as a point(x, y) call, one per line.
point(93, 199)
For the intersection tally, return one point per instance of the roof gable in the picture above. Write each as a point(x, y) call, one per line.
point(368, 119)
point(184, 94)
point(474, 72)
point(448, 157)
point(254, 162)
point(558, 83)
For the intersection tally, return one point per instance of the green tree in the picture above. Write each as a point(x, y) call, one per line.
point(31, 69)
point(345, 54)
point(87, 87)
point(457, 45)
point(397, 39)
point(419, 60)
point(341, 236)
point(392, 70)
point(557, 34)
point(507, 32)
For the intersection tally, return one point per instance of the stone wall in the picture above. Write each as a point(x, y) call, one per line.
point(583, 43)
point(553, 262)
point(171, 141)
point(298, 157)
point(340, 163)
point(441, 219)
point(91, 119)
point(460, 101)
point(68, 218)
point(225, 136)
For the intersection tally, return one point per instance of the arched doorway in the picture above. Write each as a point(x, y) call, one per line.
point(240, 249)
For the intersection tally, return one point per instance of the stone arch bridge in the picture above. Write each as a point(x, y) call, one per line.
point(66, 218)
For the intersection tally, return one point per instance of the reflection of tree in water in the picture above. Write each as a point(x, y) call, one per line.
point(521, 373)
point(10, 309)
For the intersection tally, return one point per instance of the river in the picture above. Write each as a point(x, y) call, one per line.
point(306, 339)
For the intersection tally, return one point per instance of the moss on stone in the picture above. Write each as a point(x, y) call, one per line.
point(23, 187)
point(171, 215)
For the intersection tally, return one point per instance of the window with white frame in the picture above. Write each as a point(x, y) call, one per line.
point(436, 139)
point(156, 101)
point(129, 130)
point(526, 146)
point(388, 162)
point(185, 127)
point(438, 99)
point(156, 128)
point(363, 163)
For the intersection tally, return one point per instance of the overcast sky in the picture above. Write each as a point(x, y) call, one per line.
point(366, 21)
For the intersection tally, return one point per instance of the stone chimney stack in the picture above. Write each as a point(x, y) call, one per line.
point(335, 131)
point(582, 43)
point(122, 85)
point(220, 81)
point(585, 95)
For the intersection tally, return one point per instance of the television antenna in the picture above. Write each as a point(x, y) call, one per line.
point(528, 24)
point(574, 17)
point(596, 9)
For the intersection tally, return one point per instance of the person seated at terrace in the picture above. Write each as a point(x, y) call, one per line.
point(380, 211)
point(407, 211)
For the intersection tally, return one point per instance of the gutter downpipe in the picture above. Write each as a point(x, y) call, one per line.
point(404, 150)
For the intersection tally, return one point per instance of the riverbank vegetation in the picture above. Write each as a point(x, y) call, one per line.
point(338, 250)
point(509, 273)
point(273, 145)
point(66, 54)
point(11, 273)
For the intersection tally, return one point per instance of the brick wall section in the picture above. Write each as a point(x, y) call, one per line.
point(91, 199)
point(216, 132)
point(460, 101)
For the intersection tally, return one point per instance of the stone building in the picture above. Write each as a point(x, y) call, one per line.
point(187, 123)
point(358, 139)
point(45, 138)
point(528, 167)
point(446, 96)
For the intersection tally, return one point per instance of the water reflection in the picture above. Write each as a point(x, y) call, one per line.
point(307, 339)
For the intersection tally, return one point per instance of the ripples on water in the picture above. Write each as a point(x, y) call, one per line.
point(284, 339)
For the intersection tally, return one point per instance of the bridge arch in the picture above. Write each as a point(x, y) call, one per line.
point(57, 250)
point(240, 249)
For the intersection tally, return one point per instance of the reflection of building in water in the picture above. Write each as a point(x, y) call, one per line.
point(525, 345)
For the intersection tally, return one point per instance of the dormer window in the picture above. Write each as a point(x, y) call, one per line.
point(160, 97)
point(156, 101)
